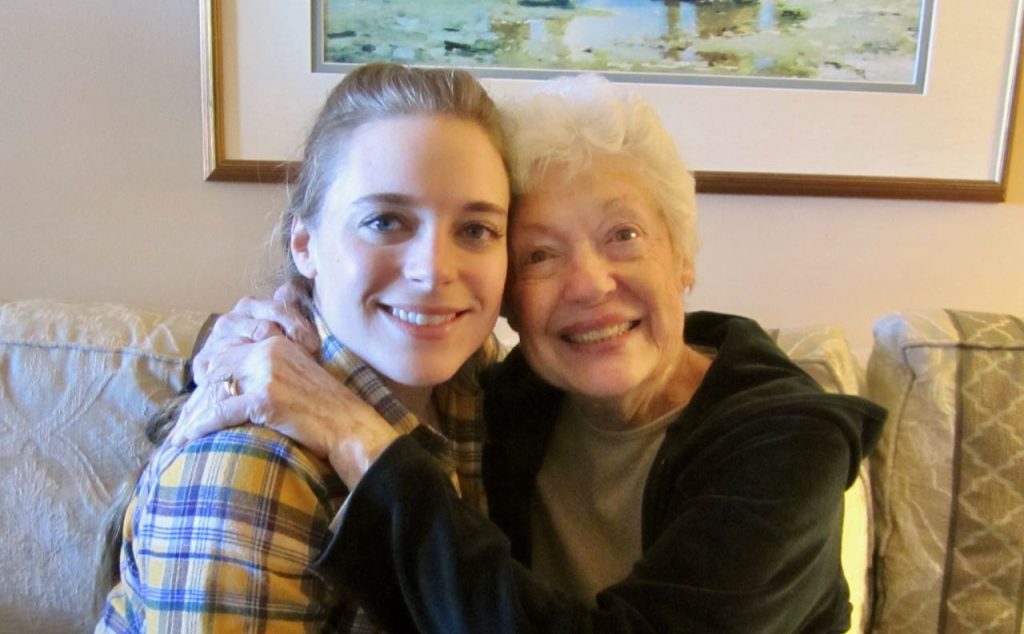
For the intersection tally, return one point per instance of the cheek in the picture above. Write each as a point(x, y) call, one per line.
point(532, 304)
point(667, 303)
point(349, 275)
point(492, 283)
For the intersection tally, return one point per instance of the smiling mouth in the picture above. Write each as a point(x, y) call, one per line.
point(601, 334)
point(421, 319)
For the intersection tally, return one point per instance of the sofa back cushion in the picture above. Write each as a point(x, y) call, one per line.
point(77, 381)
point(949, 472)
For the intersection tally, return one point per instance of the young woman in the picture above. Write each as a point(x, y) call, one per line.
point(395, 236)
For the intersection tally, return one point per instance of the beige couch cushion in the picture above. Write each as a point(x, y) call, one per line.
point(76, 383)
point(949, 505)
point(823, 352)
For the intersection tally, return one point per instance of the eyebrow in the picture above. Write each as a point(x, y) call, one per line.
point(619, 202)
point(612, 204)
point(402, 200)
point(384, 198)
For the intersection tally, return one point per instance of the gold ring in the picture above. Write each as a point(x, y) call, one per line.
point(231, 386)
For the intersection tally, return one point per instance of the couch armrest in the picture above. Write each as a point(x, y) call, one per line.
point(948, 474)
point(77, 382)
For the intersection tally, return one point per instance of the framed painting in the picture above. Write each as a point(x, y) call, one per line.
point(929, 118)
point(869, 45)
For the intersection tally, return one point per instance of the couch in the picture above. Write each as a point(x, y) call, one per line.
point(934, 535)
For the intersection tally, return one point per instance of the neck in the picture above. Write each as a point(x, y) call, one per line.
point(417, 399)
point(651, 401)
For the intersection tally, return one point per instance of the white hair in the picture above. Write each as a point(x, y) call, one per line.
point(566, 121)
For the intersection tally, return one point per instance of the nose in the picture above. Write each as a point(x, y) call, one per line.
point(431, 259)
point(589, 277)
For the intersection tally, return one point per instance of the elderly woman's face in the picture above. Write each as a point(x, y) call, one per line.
point(408, 258)
point(597, 293)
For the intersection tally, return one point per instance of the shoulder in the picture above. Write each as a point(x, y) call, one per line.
point(246, 463)
point(753, 389)
point(774, 441)
point(225, 529)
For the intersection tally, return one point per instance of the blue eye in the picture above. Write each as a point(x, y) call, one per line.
point(382, 223)
point(480, 231)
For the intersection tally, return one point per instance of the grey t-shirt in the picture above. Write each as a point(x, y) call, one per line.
point(586, 521)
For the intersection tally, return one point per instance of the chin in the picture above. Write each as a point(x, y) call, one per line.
point(599, 387)
point(421, 377)
point(596, 391)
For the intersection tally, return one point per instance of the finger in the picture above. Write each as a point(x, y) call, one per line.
point(233, 362)
point(230, 329)
point(306, 336)
point(204, 397)
point(291, 292)
point(233, 332)
point(293, 296)
point(227, 413)
point(210, 418)
point(262, 329)
point(204, 364)
point(252, 319)
point(282, 315)
point(247, 316)
point(294, 326)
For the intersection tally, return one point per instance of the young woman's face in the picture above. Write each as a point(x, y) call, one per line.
point(408, 258)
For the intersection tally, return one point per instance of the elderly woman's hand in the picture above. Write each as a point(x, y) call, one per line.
point(255, 320)
point(279, 384)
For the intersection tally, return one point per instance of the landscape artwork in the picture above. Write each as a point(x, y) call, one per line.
point(874, 43)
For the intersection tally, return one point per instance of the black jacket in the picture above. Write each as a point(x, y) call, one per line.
point(741, 525)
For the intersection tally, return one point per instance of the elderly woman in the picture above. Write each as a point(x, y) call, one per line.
point(646, 469)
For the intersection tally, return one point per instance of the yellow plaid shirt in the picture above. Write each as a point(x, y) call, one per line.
point(221, 534)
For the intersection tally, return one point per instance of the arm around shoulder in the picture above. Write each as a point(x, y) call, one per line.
point(745, 548)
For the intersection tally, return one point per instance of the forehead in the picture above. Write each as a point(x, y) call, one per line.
point(408, 142)
point(609, 187)
point(434, 160)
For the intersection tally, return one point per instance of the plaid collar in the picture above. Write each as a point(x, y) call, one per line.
point(354, 373)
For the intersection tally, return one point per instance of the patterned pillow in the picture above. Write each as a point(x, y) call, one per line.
point(76, 383)
point(949, 472)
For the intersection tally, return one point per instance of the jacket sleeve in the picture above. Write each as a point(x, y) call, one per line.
point(742, 549)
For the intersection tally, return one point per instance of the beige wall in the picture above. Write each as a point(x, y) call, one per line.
point(101, 196)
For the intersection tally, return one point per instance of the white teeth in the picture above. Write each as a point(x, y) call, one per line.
point(594, 336)
point(421, 319)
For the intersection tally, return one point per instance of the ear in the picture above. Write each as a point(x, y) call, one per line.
point(686, 275)
point(302, 248)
